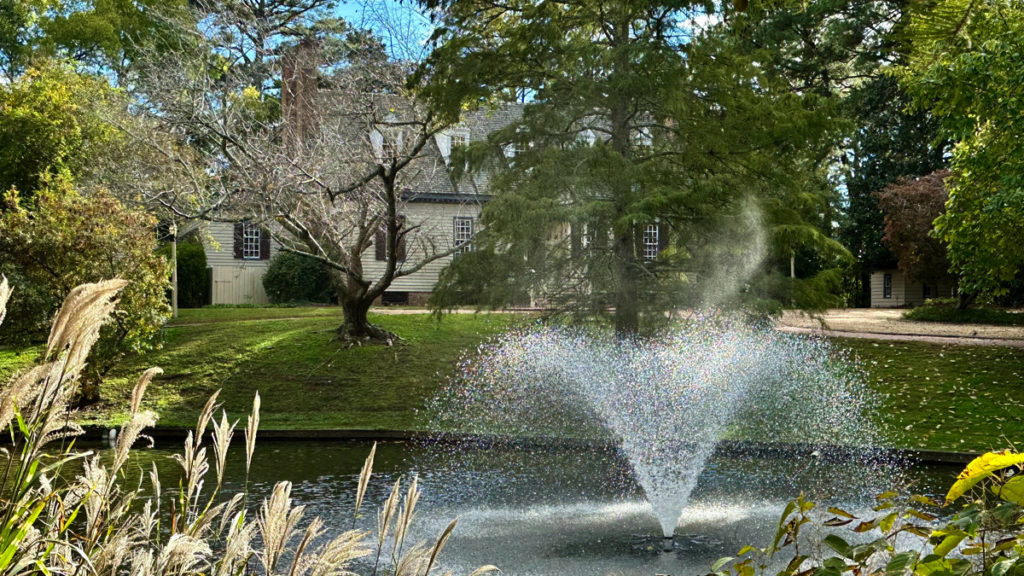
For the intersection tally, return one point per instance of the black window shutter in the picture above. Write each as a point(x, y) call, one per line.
point(662, 237)
point(380, 245)
point(238, 241)
point(401, 239)
point(264, 244)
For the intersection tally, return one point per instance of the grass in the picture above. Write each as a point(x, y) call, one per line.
point(14, 359)
point(305, 378)
point(945, 397)
point(931, 395)
point(244, 314)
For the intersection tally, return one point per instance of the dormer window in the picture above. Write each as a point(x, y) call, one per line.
point(386, 140)
point(449, 140)
point(459, 139)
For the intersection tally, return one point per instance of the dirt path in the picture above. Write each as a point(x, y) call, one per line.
point(884, 324)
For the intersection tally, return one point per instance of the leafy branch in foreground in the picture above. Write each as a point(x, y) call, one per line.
point(984, 538)
point(92, 521)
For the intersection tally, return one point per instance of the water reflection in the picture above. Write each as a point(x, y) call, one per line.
point(549, 511)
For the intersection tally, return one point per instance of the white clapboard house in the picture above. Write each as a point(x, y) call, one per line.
point(448, 210)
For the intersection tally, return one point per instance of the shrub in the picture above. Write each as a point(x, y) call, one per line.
point(296, 278)
point(69, 239)
point(96, 521)
point(193, 274)
point(947, 310)
point(906, 538)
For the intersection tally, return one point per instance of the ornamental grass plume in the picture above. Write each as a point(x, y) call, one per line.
point(92, 522)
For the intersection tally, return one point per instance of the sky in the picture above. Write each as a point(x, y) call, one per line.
point(399, 24)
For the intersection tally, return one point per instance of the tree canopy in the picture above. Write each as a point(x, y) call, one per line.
point(967, 66)
point(53, 122)
point(911, 206)
point(660, 156)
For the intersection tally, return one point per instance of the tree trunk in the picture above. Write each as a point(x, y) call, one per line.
point(627, 315)
point(355, 304)
point(627, 312)
point(965, 300)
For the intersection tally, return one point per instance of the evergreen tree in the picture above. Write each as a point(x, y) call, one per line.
point(653, 155)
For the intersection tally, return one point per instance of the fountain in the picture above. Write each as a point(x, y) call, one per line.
point(665, 403)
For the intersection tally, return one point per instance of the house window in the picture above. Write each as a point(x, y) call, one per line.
point(926, 291)
point(459, 139)
point(887, 285)
point(387, 140)
point(650, 242)
point(463, 233)
point(449, 140)
point(251, 241)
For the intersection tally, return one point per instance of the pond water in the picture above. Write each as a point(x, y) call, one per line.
point(553, 510)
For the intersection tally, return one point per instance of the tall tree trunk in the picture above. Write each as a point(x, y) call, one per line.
point(355, 304)
point(356, 326)
point(627, 310)
point(627, 298)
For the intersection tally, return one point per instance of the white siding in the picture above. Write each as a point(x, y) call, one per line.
point(238, 281)
point(899, 295)
point(904, 293)
point(239, 285)
point(435, 234)
point(220, 242)
point(235, 280)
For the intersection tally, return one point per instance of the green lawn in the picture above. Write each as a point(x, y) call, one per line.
point(931, 396)
point(241, 314)
point(943, 396)
point(304, 377)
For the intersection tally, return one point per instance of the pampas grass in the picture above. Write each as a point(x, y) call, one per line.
point(94, 524)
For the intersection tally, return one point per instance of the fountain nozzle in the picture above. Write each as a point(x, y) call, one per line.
point(668, 543)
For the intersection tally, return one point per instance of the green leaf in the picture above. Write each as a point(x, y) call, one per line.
point(841, 512)
point(949, 543)
point(842, 547)
point(795, 563)
point(1012, 490)
point(901, 563)
point(982, 467)
point(721, 562)
point(1002, 566)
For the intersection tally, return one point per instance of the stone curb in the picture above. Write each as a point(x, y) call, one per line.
point(732, 447)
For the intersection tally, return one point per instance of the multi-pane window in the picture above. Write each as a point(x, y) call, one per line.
point(459, 139)
point(251, 241)
point(887, 285)
point(463, 233)
point(452, 140)
point(650, 242)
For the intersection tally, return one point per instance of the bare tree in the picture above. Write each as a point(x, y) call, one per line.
point(327, 152)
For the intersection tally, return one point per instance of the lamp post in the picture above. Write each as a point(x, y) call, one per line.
point(174, 270)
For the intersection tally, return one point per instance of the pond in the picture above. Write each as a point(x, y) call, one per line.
point(559, 510)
